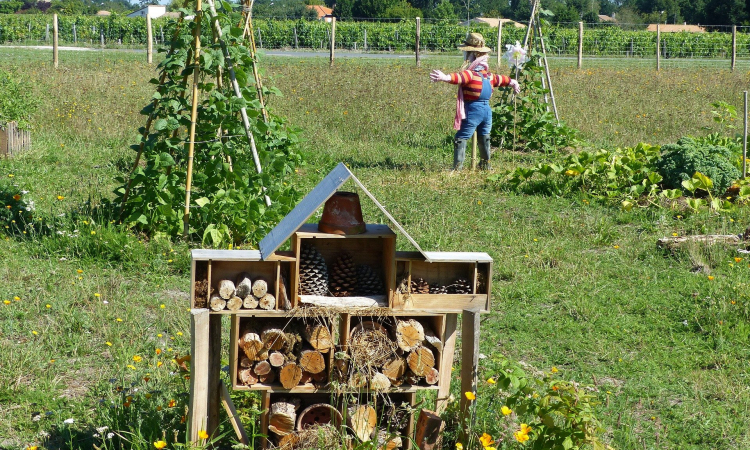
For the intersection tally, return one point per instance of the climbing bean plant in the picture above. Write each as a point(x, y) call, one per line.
point(227, 200)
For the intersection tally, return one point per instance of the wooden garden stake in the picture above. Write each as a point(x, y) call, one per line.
point(734, 46)
point(333, 38)
point(193, 113)
point(150, 40)
point(237, 92)
point(234, 418)
point(54, 40)
point(499, 42)
point(416, 40)
point(248, 34)
point(580, 44)
point(658, 46)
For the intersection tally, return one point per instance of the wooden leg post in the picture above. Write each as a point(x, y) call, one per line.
point(214, 373)
point(199, 369)
point(449, 348)
point(234, 418)
point(469, 362)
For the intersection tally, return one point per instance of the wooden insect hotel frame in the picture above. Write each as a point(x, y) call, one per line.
point(353, 359)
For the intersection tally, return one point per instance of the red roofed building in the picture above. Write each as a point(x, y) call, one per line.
point(323, 12)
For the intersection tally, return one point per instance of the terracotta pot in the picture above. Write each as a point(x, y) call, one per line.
point(342, 214)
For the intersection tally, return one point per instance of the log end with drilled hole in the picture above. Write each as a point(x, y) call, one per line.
point(226, 289)
point(250, 302)
point(267, 302)
point(217, 303)
point(260, 288)
point(243, 285)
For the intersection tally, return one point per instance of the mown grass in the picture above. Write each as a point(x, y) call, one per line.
point(577, 284)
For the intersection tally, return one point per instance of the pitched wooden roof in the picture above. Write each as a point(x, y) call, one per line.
point(676, 28)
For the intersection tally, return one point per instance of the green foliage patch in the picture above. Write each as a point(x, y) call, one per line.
point(680, 161)
point(17, 100)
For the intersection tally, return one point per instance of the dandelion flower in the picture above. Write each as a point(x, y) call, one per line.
point(137, 358)
point(554, 369)
point(159, 335)
point(32, 447)
point(96, 294)
point(60, 197)
point(506, 411)
point(160, 444)
point(16, 298)
point(34, 333)
point(109, 344)
point(459, 446)
point(179, 333)
point(130, 366)
point(470, 395)
point(118, 319)
point(710, 278)
point(737, 259)
point(79, 271)
point(202, 434)
point(616, 247)
point(48, 305)
point(491, 381)
point(93, 232)
point(159, 364)
point(162, 306)
point(7, 302)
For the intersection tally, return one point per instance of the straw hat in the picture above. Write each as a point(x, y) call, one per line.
point(475, 43)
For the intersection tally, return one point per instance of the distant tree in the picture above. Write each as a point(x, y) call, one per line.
point(289, 9)
point(344, 9)
point(726, 12)
point(403, 10)
point(590, 17)
point(607, 7)
point(372, 8)
point(314, 2)
point(443, 11)
point(565, 14)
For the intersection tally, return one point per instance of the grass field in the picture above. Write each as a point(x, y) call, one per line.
point(578, 285)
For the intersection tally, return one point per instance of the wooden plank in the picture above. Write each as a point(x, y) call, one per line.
point(411, 397)
point(429, 427)
point(371, 301)
point(389, 267)
point(294, 278)
point(457, 257)
point(234, 418)
point(441, 303)
point(234, 350)
point(265, 404)
point(201, 254)
point(214, 374)
point(192, 283)
point(446, 362)
point(199, 369)
point(209, 280)
point(469, 363)
point(304, 209)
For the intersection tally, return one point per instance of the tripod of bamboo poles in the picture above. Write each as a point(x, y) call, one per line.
point(534, 33)
point(193, 59)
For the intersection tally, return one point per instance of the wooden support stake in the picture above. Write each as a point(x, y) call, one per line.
point(474, 152)
point(658, 46)
point(199, 371)
point(234, 418)
point(580, 44)
point(546, 70)
point(469, 363)
point(429, 427)
point(734, 46)
point(446, 363)
point(54, 40)
point(499, 42)
point(150, 40)
point(193, 113)
point(333, 38)
point(416, 40)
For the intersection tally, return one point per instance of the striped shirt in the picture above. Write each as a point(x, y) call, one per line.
point(471, 82)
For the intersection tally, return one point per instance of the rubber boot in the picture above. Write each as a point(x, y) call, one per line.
point(485, 152)
point(459, 153)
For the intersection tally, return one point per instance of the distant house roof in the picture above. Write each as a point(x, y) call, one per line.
point(492, 22)
point(675, 28)
point(103, 13)
point(605, 18)
point(172, 14)
point(321, 10)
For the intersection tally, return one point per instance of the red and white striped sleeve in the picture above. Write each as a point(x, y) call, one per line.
point(500, 80)
point(461, 77)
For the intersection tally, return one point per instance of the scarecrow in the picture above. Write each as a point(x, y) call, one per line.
point(473, 112)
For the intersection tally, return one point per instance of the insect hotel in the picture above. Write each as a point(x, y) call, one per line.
point(339, 333)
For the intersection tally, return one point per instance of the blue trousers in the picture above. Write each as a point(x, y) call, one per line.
point(478, 118)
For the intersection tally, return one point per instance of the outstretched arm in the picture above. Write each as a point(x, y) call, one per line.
point(437, 75)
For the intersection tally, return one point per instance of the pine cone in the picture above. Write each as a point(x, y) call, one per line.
point(419, 286)
point(438, 289)
point(460, 286)
point(313, 273)
point(343, 276)
point(368, 282)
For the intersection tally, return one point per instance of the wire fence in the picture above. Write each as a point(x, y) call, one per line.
point(601, 44)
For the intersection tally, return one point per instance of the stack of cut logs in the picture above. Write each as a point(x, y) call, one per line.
point(420, 286)
point(243, 293)
point(294, 357)
point(412, 360)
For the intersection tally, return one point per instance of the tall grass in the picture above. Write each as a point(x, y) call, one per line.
point(577, 285)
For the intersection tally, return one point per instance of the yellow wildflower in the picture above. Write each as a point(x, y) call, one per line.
point(486, 440)
point(459, 446)
point(202, 434)
point(506, 411)
point(470, 395)
point(160, 444)
point(491, 381)
point(137, 358)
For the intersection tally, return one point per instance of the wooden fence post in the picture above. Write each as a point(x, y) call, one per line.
point(101, 36)
point(469, 363)
point(75, 35)
point(416, 40)
point(734, 46)
point(658, 46)
point(296, 39)
point(54, 40)
point(333, 38)
point(580, 44)
point(150, 39)
point(446, 366)
point(365, 43)
point(499, 42)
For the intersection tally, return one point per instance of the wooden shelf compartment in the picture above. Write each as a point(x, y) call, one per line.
point(211, 266)
point(434, 323)
point(375, 248)
point(411, 266)
point(263, 320)
point(386, 407)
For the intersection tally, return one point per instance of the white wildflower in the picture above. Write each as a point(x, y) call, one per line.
point(69, 421)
